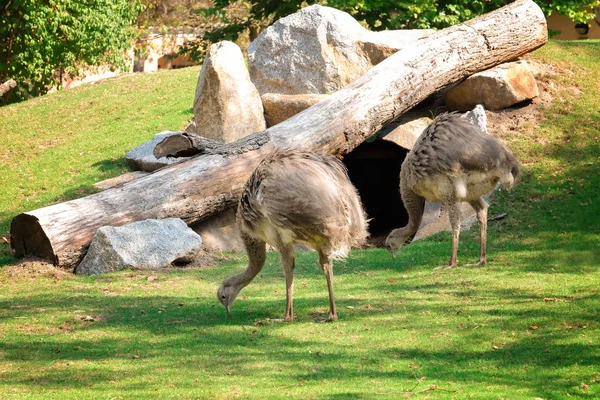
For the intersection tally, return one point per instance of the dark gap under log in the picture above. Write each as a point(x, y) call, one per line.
point(374, 169)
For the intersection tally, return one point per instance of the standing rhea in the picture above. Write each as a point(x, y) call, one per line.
point(453, 161)
point(296, 197)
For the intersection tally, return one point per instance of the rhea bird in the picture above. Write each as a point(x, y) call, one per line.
point(453, 161)
point(296, 197)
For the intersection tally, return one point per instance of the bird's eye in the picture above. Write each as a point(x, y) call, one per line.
point(223, 296)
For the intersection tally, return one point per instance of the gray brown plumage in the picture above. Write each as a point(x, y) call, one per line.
point(453, 161)
point(296, 197)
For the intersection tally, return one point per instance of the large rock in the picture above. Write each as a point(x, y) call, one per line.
point(496, 88)
point(227, 106)
point(319, 50)
point(141, 158)
point(279, 107)
point(149, 244)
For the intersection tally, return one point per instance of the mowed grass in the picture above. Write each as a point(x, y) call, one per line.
point(526, 326)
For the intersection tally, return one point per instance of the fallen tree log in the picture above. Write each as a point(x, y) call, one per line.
point(211, 182)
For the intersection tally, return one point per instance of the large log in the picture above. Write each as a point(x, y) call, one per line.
point(196, 189)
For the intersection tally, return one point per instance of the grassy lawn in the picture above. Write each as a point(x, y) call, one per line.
point(524, 327)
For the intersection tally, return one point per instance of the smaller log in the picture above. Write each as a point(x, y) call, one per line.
point(186, 144)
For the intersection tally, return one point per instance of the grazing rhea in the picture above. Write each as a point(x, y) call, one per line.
point(453, 161)
point(292, 198)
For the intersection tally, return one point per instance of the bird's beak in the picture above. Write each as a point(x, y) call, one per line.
point(393, 251)
point(227, 308)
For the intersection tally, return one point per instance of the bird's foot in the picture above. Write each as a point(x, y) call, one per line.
point(286, 319)
point(477, 264)
point(327, 320)
point(332, 318)
point(445, 267)
point(322, 320)
point(277, 320)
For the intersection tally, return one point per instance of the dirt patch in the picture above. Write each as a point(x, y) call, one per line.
point(34, 267)
point(206, 258)
point(524, 117)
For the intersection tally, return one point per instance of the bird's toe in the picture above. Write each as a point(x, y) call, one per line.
point(445, 267)
point(477, 264)
point(332, 318)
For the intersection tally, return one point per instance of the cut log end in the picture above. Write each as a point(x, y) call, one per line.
point(27, 238)
point(175, 146)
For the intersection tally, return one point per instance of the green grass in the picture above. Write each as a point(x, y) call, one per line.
point(526, 326)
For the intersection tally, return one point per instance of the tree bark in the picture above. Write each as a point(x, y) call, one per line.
point(211, 182)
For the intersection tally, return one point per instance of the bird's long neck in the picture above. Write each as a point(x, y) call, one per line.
point(257, 254)
point(414, 205)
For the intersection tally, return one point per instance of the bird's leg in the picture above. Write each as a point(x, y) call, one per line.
point(327, 267)
point(481, 208)
point(454, 217)
point(287, 257)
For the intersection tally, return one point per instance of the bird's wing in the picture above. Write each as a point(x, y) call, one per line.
point(304, 196)
point(453, 145)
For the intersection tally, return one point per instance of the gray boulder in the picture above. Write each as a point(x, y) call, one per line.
point(227, 106)
point(141, 158)
point(148, 244)
point(319, 50)
point(407, 130)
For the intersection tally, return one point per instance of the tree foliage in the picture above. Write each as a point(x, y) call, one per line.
point(42, 38)
point(172, 15)
point(425, 14)
point(376, 14)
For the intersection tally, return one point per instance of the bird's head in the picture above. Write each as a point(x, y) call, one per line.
point(227, 294)
point(398, 238)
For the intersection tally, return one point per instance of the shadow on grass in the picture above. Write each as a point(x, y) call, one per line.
point(113, 166)
point(137, 336)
